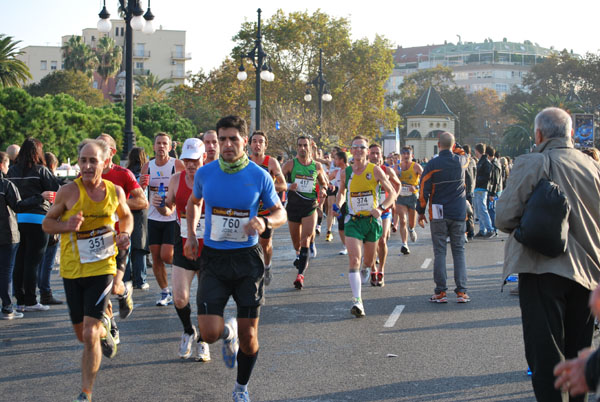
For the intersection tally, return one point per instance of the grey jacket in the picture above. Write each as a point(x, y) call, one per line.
point(578, 176)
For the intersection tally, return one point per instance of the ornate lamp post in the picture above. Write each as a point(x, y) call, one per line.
point(262, 67)
point(322, 86)
point(133, 21)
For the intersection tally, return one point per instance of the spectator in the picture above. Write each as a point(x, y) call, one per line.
point(470, 175)
point(495, 188)
point(482, 188)
point(45, 267)
point(33, 179)
point(136, 267)
point(13, 151)
point(554, 292)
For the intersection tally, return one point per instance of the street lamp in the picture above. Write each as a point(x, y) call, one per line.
point(262, 67)
point(133, 21)
point(323, 87)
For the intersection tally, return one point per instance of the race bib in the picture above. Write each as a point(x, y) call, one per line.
point(437, 211)
point(405, 190)
point(228, 224)
point(96, 245)
point(361, 201)
point(306, 184)
point(184, 229)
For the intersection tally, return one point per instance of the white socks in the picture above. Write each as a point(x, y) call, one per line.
point(355, 283)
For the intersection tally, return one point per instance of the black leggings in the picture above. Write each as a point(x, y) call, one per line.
point(30, 254)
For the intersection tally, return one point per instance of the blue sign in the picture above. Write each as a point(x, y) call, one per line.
point(277, 125)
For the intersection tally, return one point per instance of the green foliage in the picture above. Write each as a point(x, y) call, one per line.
point(12, 71)
point(157, 117)
point(78, 56)
point(74, 83)
point(151, 81)
point(192, 105)
point(109, 57)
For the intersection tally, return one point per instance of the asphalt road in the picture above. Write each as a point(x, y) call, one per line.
point(312, 348)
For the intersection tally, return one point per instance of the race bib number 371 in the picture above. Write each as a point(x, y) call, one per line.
point(228, 224)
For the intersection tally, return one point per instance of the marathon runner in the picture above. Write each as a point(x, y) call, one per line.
point(258, 145)
point(376, 158)
point(406, 204)
point(340, 159)
point(211, 146)
point(184, 269)
point(363, 222)
point(161, 229)
point(232, 260)
point(83, 213)
point(303, 174)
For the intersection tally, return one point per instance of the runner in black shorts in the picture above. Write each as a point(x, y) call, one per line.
point(83, 213)
point(303, 173)
point(184, 269)
point(231, 260)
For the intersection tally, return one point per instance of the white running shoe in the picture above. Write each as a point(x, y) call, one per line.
point(357, 307)
point(166, 298)
point(36, 307)
point(241, 396)
point(365, 275)
point(413, 235)
point(187, 341)
point(343, 251)
point(313, 250)
point(203, 352)
point(231, 345)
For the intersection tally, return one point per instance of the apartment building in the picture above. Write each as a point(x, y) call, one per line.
point(41, 60)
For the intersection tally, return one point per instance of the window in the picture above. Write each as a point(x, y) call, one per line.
point(43, 65)
point(122, 31)
point(139, 50)
point(139, 65)
point(179, 51)
point(53, 65)
point(435, 149)
point(117, 31)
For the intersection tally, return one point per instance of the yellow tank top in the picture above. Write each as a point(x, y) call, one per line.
point(409, 178)
point(362, 191)
point(91, 251)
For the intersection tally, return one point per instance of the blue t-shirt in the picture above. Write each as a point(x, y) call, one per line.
point(231, 200)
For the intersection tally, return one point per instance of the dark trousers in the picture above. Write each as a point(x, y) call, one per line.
point(30, 254)
point(470, 217)
point(557, 323)
point(7, 262)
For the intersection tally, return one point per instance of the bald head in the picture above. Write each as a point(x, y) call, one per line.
point(446, 141)
point(12, 151)
point(108, 139)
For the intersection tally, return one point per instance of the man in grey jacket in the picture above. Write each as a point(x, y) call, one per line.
point(554, 292)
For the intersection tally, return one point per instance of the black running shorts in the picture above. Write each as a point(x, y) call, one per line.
point(179, 259)
point(298, 207)
point(238, 273)
point(160, 232)
point(87, 296)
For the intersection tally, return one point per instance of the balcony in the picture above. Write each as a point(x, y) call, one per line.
point(137, 54)
point(177, 74)
point(181, 56)
point(141, 71)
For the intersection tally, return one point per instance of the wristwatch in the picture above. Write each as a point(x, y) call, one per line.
point(268, 227)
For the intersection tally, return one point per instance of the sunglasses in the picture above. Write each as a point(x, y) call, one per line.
point(359, 147)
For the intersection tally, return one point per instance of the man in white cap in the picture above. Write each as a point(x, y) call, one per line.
point(184, 270)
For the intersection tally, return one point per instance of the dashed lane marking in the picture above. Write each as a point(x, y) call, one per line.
point(391, 321)
point(426, 263)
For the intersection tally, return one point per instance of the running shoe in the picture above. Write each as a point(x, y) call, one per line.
point(318, 230)
point(202, 352)
point(166, 298)
point(365, 275)
point(241, 396)
point(394, 229)
point(329, 236)
point(299, 282)
point(8, 313)
point(231, 345)
point(313, 250)
point(187, 341)
point(405, 250)
point(107, 343)
point(343, 251)
point(357, 307)
point(413, 235)
point(83, 397)
point(374, 279)
point(380, 280)
point(145, 286)
point(114, 331)
point(268, 276)
point(439, 298)
point(36, 307)
point(462, 297)
point(126, 301)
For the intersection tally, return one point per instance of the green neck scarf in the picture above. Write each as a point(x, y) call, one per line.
point(234, 167)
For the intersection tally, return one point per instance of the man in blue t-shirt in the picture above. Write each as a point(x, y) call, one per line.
point(232, 260)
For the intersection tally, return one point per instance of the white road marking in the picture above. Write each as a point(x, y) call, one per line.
point(391, 321)
point(426, 263)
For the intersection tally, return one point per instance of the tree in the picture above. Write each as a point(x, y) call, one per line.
point(151, 81)
point(13, 71)
point(156, 117)
point(518, 137)
point(109, 57)
point(489, 122)
point(74, 83)
point(189, 103)
point(78, 56)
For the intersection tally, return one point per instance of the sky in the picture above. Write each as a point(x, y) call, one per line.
point(210, 25)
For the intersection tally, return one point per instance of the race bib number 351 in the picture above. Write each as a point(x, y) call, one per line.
point(96, 245)
point(228, 224)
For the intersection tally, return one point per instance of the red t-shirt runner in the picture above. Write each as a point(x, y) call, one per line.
point(181, 200)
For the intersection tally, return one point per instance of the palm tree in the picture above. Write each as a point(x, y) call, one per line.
point(109, 58)
point(151, 82)
point(78, 56)
point(519, 137)
point(12, 71)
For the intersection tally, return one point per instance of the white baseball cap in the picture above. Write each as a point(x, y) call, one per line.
point(193, 148)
